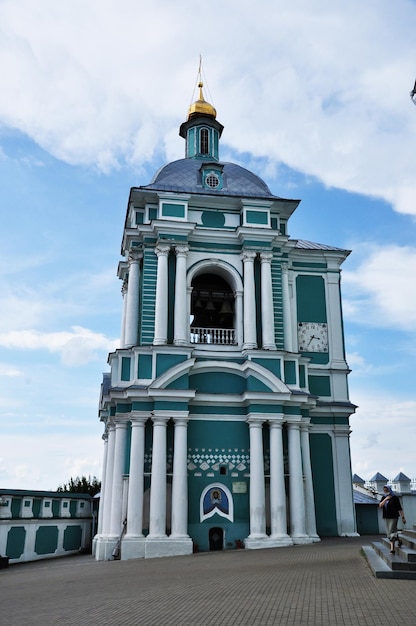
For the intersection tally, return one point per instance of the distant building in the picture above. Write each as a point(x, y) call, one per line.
point(44, 524)
point(367, 495)
point(226, 412)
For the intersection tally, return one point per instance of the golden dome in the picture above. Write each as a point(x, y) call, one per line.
point(201, 106)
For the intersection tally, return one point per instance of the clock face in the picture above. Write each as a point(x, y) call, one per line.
point(313, 337)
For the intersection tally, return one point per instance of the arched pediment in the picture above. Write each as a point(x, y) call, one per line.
point(223, 377)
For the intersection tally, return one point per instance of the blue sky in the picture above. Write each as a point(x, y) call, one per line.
point(314, 99)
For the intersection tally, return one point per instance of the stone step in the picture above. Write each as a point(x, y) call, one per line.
point(394, 561)
point(407, 552)
point(381, 569)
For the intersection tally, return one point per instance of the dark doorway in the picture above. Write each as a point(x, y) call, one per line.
point(216, 538)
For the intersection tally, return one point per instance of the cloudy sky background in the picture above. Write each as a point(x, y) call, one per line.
point(314, 98)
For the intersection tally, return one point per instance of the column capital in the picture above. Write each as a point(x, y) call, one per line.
point(160, 417)
point(124, 288)
point(255, 421)
point(285, 267)
point(181, 250)
point(121, 420)
point(276, 422)
point(162, 249)
point(248, 255)
point(266, 257)
point(135, 256)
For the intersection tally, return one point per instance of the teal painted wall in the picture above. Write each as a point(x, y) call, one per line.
point(15, 542)
point(217, 382)
point(320, 385)
point(72, 538)
point(125, 368)
point(144, 367)
point(215, 443)
point(310, 299)
point(165, 362)
point(46, 540)
point(323, 484)
point(277, 302)
point(148, 296)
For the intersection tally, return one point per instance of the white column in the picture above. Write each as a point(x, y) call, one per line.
point(131, 330)
point(103, 485)
point(267, 314)
point(136, 477)
point(157, 522)
point(287, 316)
point(180, 479)
point(181, 318)
point(108, 487)
point(118, 471)
point(161, 305)
point(278, 512)
point(123, 319)
point(296, 495)
point(239, 325)
point(307, 472)
point(250, 331)
point(257, 534)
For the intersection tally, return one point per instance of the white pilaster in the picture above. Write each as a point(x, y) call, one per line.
point(287, 316)
point(278, 513)
point(132, 546)
point(296, 493)
point(250, 331)
point(342, 480)
point(307, 472)
point(131, 329)
point(257, 536)
point(336, 339)
point(161, 305)
point(181, 318)
point(267, 314)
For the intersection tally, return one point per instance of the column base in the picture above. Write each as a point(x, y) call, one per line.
point(256, 542)
point(167, 546)
point(132, 547)
point(278, 541)
point(315, 538)
point(104, 546)
point(269, 346)
point(299, 540)
point(354, 534)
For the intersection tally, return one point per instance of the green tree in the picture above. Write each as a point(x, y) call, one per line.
point(81, 484)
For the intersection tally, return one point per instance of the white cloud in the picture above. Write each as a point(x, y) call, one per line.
point(76, 347)
point(378, 428)
point(325, 102)
point(49, 459)
point(379, 292)
point(9, 370)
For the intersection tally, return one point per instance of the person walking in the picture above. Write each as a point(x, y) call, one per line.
point(392, 510)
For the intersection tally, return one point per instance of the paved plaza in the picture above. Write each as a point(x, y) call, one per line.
point(323, 584)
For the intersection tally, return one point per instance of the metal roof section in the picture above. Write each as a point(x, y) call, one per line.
point(184, 176)
point(302, 244)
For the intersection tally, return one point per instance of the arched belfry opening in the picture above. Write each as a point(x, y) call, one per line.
point(212, 310)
